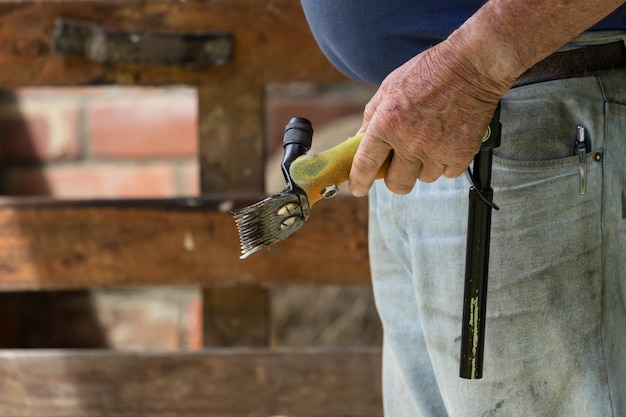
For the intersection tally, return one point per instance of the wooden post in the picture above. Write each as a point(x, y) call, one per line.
point(232, 148)
point(232, 159)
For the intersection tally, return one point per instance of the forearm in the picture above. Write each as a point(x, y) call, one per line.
point(506, 37)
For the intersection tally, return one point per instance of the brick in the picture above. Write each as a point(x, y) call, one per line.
point(154, 126)
point(38, 132)
point(155, 180)
point(189, 173)
point(196, 328)
point(147, 318)
point(45, 92)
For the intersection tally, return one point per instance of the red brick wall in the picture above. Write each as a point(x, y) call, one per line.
point(121, 142)
point(105, 142)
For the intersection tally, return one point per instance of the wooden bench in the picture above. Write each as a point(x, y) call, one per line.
point(48, 244)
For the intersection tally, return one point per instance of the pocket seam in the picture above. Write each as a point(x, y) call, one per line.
point(548, 164)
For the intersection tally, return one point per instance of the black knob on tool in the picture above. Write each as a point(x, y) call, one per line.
point(296, 142)
point(298, 131)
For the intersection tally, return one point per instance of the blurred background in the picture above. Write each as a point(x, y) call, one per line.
point(121, 142)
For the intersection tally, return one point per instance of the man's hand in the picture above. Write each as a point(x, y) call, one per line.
point(429, 116)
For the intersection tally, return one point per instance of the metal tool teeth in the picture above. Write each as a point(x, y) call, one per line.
point(268, 221)
point(254, 226)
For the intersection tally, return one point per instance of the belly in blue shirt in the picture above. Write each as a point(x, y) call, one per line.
point(367, 39)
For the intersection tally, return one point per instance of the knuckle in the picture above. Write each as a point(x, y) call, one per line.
point(430, 172)
point(414, 151)
point(450, 172)
point(364, 162)
point(429, 178)
point(369, 110)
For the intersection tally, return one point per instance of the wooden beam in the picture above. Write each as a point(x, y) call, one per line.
point(272, 42)
point(232, 158)
point(232, 144)
point(213, 383)
point(236, 316)
point(65, 244)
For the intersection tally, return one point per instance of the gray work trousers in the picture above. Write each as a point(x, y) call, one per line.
point(556, 322)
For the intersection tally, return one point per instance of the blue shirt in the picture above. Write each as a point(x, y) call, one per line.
point(367, 39)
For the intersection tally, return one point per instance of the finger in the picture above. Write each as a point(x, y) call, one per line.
point(453, 171)
point(458, 166)
point(402, 174)
point(370, 156)
point(430, 172)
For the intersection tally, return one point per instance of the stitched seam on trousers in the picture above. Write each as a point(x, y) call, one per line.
point(538, 165)
point(603, 281)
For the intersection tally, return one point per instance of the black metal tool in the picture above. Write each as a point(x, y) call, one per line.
point(477, 254)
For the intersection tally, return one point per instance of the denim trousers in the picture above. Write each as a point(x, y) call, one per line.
point(555, 341)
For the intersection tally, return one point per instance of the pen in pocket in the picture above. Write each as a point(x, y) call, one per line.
point(582, 147)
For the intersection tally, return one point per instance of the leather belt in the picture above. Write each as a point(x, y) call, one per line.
point(576, 63)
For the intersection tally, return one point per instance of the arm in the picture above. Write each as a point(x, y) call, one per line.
point(432, 111)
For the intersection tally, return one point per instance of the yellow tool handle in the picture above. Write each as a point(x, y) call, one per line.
point(314, 172)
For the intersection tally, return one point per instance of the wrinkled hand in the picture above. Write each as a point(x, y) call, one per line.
point(429, 116)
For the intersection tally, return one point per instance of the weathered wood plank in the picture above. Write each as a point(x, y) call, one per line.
point(236, 316)
point(231, 148)
point(226, 383)
point(272, 42)
point(191, 241)
point(231, 140)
